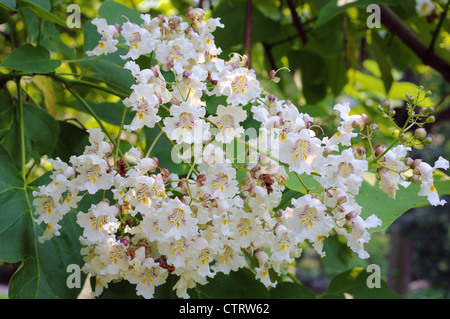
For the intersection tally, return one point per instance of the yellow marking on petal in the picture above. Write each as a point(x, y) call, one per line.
point(432, 188)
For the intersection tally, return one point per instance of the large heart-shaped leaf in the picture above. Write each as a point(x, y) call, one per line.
point(43, 272)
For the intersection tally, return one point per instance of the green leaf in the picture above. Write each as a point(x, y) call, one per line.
point(42, 11)
point(379, 49)
point(8, 4)
point(374, 201)
point(115, 12)
point(42, 273)
point(6, 113)
point(291, 290)
point(71, 141)
point(41, 135)
point(333, 8)
point(241, 284)
point(353, 284)
point(29, 58)
point(294, 183)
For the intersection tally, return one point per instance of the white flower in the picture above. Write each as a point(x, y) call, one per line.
point(391, 174)
point(220, 180)
point(300, 150)
point(146, 274)
point(342, 171)
point(427, 187)
point(176, 220)
point(139, 39)
point(239, 85)
point(227, 121)
point(424, 7)
point(228, 258)
point(99, 222)
point(358, 235)
point(262, 272)
point(92, 173)
point(108, 42)
point(145, 103)
point(186, 124)
point(176, 54)
point(308, 219)
point(345, 131)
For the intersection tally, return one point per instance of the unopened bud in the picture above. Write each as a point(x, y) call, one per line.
point(271, 98)
point(374, 126)
point(408, 161)
point(360, 151)
point(415, 179)
point(430, 119)
point(365, 118)
point(409, 97)
point(428, 93)
point(201, 179)
point(403, 138)
point(420, 133)
point(148, 164)
point(351, 215)
point(427, 141)
point(386, 104)
point(165, 174)
point(379, 150)
point(415, 163)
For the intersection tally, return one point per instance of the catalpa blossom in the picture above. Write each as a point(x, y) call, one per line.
point(308, 219)
point(300, 150)
point(108, 41)
point(140, 40)
point(427, 187)
point(391, 174)
point(424, 7)
point(99, 222)
point(220, 180)
point(228, 121)
point(146, 104)
point(345, 132)
point(186, 124)
point(239, 85)
point(342, 171)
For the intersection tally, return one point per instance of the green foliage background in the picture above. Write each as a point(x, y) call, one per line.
point(341, 59)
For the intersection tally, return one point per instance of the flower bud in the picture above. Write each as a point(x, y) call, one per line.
point(165, 174)
point(386, 104)
point(427, 141)
point(201, 179)
point(415, 163)
point(420, 133)
point(415, 179)
point(409, 97)
point(430, 119)
point(428, 93)
point(408, 161)
point(107, 148)
point(379, 150)
point(403, 138)
point(365, 118)
point(148, 164)
point(351, 215)
point(374, 126)
point(360, 151)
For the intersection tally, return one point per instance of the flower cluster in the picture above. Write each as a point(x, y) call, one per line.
point(154, 223)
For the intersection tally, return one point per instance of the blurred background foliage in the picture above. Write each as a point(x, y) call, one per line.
point(325, 53)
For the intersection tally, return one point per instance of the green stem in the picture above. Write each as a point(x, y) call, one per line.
point(301, 181)
point(39, 31)
point(94, 115)
point(122, 121)
point(90, 66)
point(22, 132)
point(154, 143)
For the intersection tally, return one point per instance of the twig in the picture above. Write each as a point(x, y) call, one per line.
point(411, 40)
point(296, 21)
point(248, 32)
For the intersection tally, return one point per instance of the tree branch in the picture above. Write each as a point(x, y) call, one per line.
point(297, 23)
point(411, 40)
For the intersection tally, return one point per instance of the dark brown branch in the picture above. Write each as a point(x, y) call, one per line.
point(296, 21)
point(411, 40)
point(268, 51)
